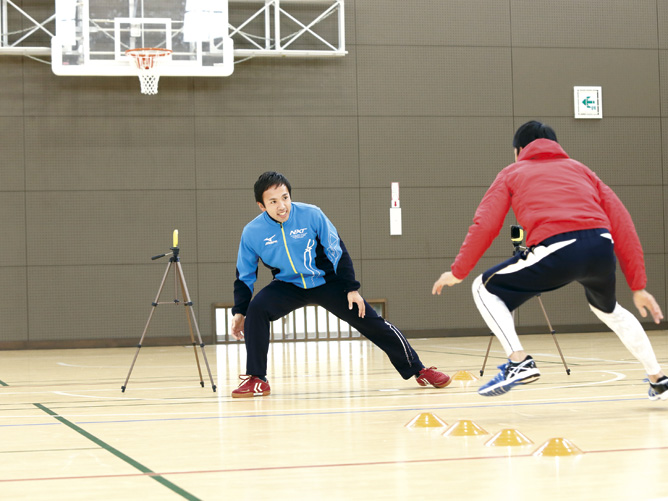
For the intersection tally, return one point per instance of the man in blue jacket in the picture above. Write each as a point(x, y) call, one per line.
point(310, 265)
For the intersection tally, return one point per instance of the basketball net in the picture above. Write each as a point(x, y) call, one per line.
point(146, 61)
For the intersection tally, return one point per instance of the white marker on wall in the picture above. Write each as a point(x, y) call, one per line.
point(395, 211)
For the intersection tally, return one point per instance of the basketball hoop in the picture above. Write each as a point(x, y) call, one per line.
point(146, 59)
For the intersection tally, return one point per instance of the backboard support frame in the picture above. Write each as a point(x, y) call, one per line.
point(96, 46)
point(282, 32)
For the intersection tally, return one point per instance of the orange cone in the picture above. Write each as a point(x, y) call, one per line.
point(508, 438)
point(558, 447)
point(426, 420)
point(463, 376)
point(464, 428)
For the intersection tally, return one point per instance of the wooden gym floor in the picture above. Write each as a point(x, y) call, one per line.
point(333, 428)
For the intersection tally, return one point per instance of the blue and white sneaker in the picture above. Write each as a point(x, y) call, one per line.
point(658, 390)
point(511, 375)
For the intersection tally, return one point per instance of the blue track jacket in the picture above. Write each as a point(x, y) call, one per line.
point(305, 251)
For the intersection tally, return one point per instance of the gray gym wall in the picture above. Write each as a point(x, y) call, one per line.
point(95, 176)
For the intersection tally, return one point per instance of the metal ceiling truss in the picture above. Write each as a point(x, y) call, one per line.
point(278, 17)
point(12, 38)
point(259, 28)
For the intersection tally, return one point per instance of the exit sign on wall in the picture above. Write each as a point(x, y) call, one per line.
point(587, 102)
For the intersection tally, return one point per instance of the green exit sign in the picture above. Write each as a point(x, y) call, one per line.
point(587, 102)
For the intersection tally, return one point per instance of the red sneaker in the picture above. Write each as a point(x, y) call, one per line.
point(433, 377)
point(251, 386)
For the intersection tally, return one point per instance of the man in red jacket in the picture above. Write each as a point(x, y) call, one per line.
point(575, 225)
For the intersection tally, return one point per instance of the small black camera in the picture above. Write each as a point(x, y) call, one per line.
point(516, 233)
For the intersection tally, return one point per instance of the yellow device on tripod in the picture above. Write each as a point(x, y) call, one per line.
point(516, 234)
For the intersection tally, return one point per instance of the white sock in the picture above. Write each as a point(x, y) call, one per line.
point(627, 327)
point(497, 316)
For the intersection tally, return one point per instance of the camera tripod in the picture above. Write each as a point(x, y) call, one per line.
point(516, 236)
point(179, 279)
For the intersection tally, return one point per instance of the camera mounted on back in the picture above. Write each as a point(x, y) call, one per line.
point(517, 237)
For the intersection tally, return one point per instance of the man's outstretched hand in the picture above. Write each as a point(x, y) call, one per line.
point(446, 279)
point(645, 301)
point(238, 326)
point(355, 298)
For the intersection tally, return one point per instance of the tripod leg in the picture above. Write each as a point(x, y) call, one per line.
point(150, 316)
point(554, 335)
point(484, 363)
point(192, 338)
point(189, 304)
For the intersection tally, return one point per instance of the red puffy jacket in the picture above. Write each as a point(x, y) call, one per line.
point(550, 194)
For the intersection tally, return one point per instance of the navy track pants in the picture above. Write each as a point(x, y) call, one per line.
point(585, 256)
point(280, 298)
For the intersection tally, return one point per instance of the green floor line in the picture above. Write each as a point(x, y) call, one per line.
point(119, 454)
point(2, 383)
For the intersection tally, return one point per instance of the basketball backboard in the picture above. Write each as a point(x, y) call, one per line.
point(92, 36)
